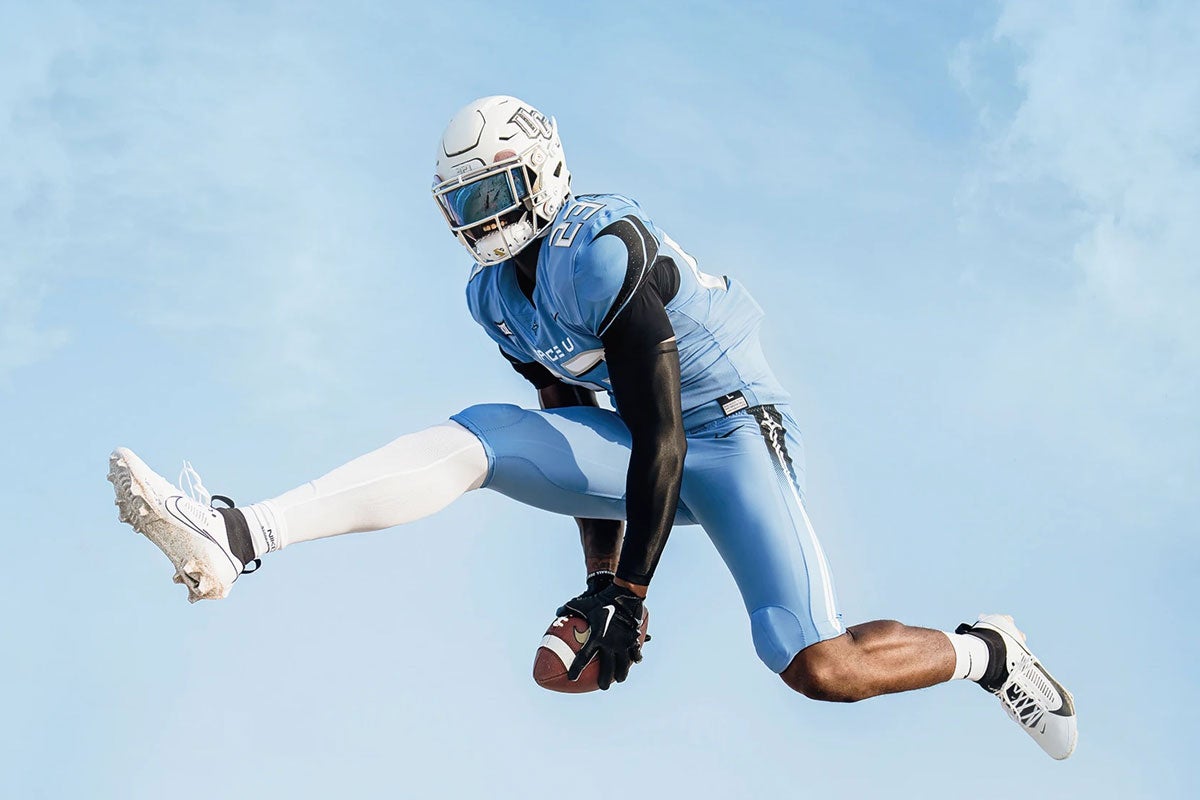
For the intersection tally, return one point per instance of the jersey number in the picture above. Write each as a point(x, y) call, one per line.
point(564, 233)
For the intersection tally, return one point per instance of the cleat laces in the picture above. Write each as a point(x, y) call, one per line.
point(1026, 695)
point(190, 482)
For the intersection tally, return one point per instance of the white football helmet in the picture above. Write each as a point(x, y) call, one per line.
point(501, 176)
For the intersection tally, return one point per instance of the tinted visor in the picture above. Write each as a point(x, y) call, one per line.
point(487, 197)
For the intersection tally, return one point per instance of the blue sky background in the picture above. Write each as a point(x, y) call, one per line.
point(973, 227)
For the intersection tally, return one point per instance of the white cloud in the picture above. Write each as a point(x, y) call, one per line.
point(210, 173)
point(23, 340)
point(32, 207)
point(1109, 112)
point(1084, 211)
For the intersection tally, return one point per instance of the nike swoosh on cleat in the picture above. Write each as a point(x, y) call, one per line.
point(172, 504)
point(1066, 708)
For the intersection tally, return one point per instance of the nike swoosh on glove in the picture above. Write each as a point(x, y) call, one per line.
point(614, 616)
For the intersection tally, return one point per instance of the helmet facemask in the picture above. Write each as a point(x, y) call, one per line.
point(490, 210)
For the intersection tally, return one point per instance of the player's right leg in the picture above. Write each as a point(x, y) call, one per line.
point(572, 461)
point(407, 479)
point(182, 522)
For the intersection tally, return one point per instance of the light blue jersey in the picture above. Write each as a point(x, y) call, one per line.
point(599, 251)
point(743, 475)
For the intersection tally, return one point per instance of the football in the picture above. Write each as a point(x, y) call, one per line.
point(564, 638)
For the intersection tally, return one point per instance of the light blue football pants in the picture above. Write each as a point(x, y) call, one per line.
point(742, 482)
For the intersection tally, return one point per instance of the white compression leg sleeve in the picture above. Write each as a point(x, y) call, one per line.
point(410, 478)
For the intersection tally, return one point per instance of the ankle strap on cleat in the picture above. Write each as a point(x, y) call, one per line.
point(238, 533)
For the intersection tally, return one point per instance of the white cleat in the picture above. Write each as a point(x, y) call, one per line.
point(1031, 697)
point(183, 525)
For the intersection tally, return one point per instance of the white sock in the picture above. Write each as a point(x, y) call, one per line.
point(970, 656)
point(263, 522)
point(410, 478)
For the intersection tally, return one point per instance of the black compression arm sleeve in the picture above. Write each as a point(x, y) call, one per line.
point(644, 369)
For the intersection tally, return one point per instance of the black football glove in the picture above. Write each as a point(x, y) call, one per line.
point(614, 615)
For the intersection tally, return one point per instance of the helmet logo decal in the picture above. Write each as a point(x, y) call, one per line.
point(533, 124)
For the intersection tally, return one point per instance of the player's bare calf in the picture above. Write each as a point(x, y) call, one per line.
point(885, 656)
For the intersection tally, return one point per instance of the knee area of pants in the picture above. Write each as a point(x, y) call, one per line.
point(489, 416)
point(778, 636)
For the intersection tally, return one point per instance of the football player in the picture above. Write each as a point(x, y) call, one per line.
point(584, 294)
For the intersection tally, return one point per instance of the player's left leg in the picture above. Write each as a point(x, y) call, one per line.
point(743, 483)
point(871, 659)
point(885, 656)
